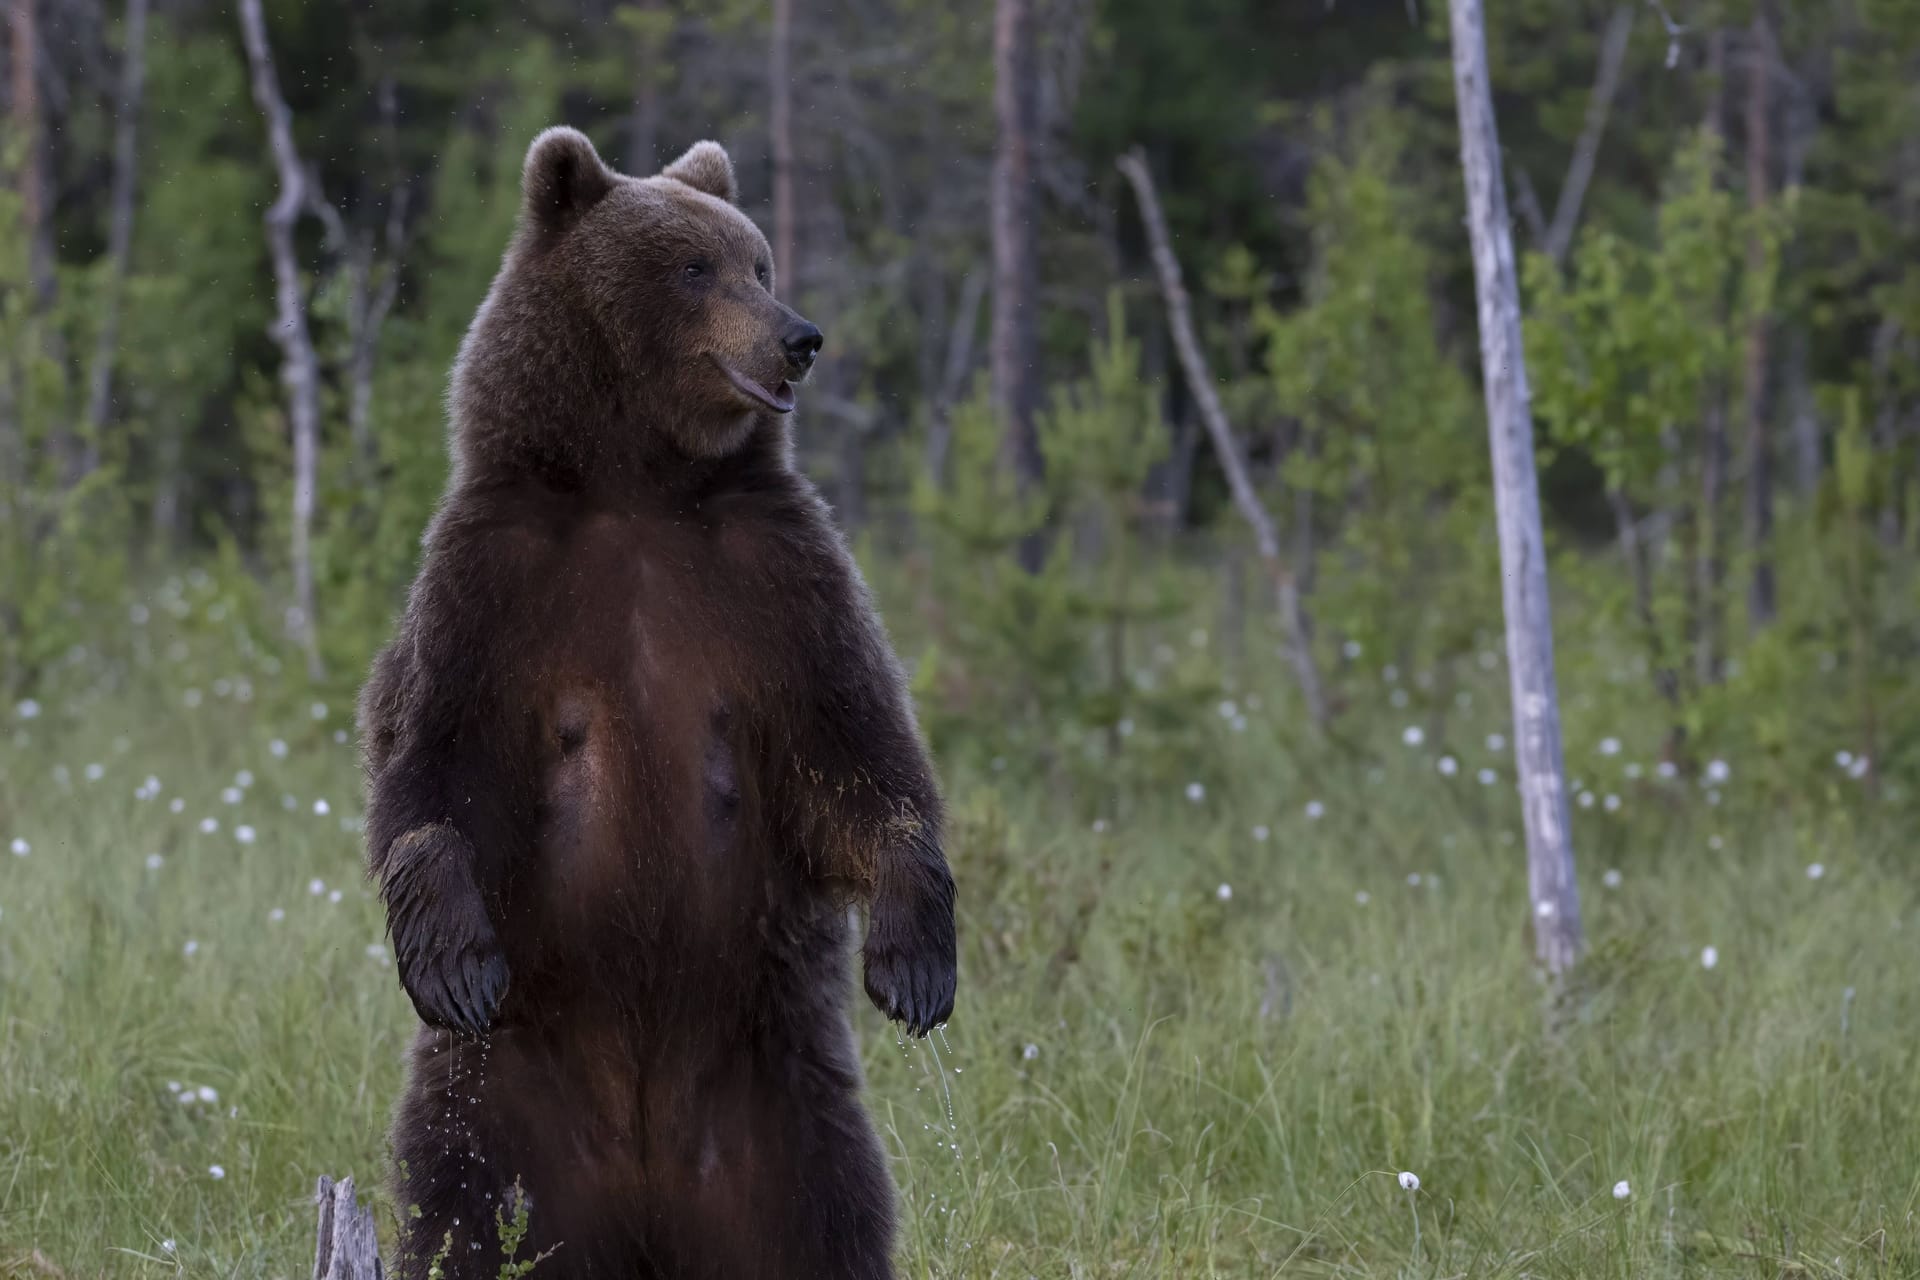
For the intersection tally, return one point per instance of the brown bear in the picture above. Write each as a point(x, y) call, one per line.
point(637, 745)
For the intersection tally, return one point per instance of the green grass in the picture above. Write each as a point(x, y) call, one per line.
point(1146, 1078)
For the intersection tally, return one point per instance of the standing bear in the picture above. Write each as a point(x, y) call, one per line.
point(638, 743)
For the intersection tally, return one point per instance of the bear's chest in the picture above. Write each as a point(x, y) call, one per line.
point(664, 691)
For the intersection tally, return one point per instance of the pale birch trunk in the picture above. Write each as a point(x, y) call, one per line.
point(299, 367)
point(1536, 709)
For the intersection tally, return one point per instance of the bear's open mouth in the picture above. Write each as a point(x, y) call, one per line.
point(778, 397)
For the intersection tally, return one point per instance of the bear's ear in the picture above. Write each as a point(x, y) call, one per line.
point(563, 178)
point(705, 167)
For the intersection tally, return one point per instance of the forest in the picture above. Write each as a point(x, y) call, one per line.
point(1153, 405)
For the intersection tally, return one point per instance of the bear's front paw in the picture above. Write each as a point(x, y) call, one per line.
point(456, 982)
point(909, 962)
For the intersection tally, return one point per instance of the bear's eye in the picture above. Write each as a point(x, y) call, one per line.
point(694, 270)
point(760, 272)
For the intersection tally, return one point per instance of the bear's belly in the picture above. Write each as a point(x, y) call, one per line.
point(655, 852)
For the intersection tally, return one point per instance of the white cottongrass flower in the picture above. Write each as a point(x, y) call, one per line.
point(335, 895)
point(190, 948)
point(1031, 1052)
point(376, 952)
point(319, 710)
point(1099, 826)
point(1352, 649)
point(1228, 710)
point(1260, 834)
point(1496, 742)
point(209, 825)
point(1859, 767)
point(1398, 698)
point(169, 1245)
point(1667, 769)
point(206, 1093)
point(1544, 909)
point(192, 698)
point(1409, 1181)
point(316, 886)
point(1609, 746)
point(154, 861)
point(1196, 792)
point(1224, 892)
point(1611, 804)
point(340, 736)
point(1413, 878)
point(176, 805)
point(215, 1172)
point(173, 1086)
point(288, 803)
point(26, 709)
point(277, 915)
point(1315, 811)
point(1815, 870)
point(1586, 799)
point(1717, 771)
point(20, 847)
point(244, 834)
point(1621, 1190)
point(322, 808)
point(1488, 777)
point(1390, 673)
point(95, 772)
point(1125, 726)
point(1633, 769)
point(1448, 766)
point(1715, 842)
point(231, 795)
point(1362, 898)
point(62, 774)
point(1843, 758)
point(277, 748)
point(1413, 735)
point(1611, 878)
point(1709, 957)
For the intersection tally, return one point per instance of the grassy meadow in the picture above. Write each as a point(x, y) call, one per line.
point(1201, 1030)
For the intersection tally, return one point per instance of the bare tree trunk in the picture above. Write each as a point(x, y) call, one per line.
point(1586, 152)
point(299, 367)
point(346, 1247)
point(780, 130)
point(120, 230)
point(1014, 256)
point(643, 130)
point(34, 213)
point(1760, 592)
point(1536, 704)
point(954, 372)
point(1710, 568)
point(1293, 612)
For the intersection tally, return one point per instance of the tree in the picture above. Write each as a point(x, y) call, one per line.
point(120, 231)
point(780, 143)
point(1013, 343)
point(299, 367)
point(1193, 362)
point(1523, 558)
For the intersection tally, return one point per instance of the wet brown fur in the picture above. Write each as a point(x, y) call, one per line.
point(638, 741)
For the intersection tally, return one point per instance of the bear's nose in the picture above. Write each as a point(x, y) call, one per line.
point(803, 341)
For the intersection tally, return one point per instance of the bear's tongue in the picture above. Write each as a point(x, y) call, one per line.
point(781, 394)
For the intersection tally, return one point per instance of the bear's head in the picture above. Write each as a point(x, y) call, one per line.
point(631, 307)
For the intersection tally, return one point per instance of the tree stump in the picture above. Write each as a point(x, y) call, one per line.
point(347, 1248)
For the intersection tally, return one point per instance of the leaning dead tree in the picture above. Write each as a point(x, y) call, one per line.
point(1193, 361)
point(346, 1248)
point(299, 366)
point(1516, 486)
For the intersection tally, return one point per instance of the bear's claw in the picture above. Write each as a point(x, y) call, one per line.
point(457, 987)
point(909, 962)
